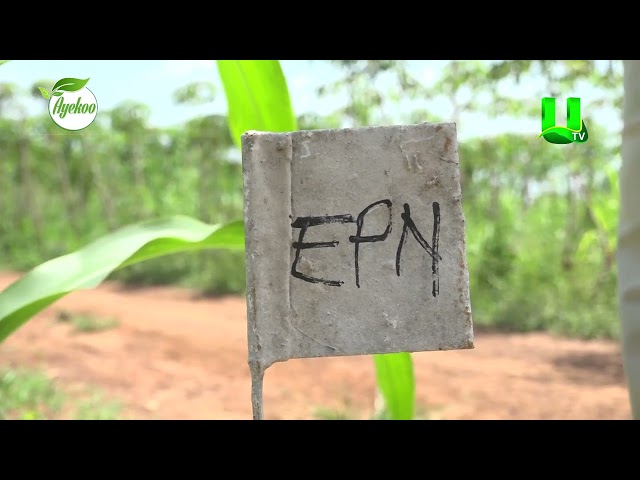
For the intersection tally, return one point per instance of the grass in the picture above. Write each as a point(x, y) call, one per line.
point(96, 407)
point(87, 323)
point(323, 413)
point(28, 395)
point(32, 395)
point(348, 413)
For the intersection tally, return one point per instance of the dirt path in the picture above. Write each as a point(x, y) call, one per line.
point(174, 356)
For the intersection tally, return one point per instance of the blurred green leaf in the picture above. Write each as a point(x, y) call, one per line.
point(257, 97)
point(89, 266)
point(4, 61)
point(394, 375)
point(588, 241)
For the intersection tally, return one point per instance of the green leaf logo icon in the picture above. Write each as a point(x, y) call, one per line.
point(69, 85)
point(45, 93)
point(72, 106)
point(64, 85)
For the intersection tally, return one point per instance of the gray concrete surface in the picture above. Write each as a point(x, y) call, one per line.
point(355, 242)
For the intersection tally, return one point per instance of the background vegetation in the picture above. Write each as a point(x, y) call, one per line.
point(541, 218)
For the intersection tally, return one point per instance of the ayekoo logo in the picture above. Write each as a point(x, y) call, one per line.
point(575, 131)
point(72, 105)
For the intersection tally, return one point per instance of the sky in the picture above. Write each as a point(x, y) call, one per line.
point(153, 82)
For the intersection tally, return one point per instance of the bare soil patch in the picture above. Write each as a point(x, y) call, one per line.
point(173, 355)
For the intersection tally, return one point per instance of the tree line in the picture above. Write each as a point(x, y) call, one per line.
point(540, 217)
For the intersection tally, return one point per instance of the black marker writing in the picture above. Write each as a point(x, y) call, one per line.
point(434, 242)
point(305, 222)
point(432, 251)
point(357, 239)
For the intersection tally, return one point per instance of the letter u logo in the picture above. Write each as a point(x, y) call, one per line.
point(575, 131)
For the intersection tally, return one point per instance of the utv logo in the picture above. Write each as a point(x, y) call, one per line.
point(72, 105)
point(575, 131)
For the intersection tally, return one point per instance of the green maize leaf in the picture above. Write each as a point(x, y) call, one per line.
point(92, 264)
point(257, 97)
point(394, 375)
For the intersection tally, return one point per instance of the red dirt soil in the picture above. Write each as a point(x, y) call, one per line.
point(176, 356)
